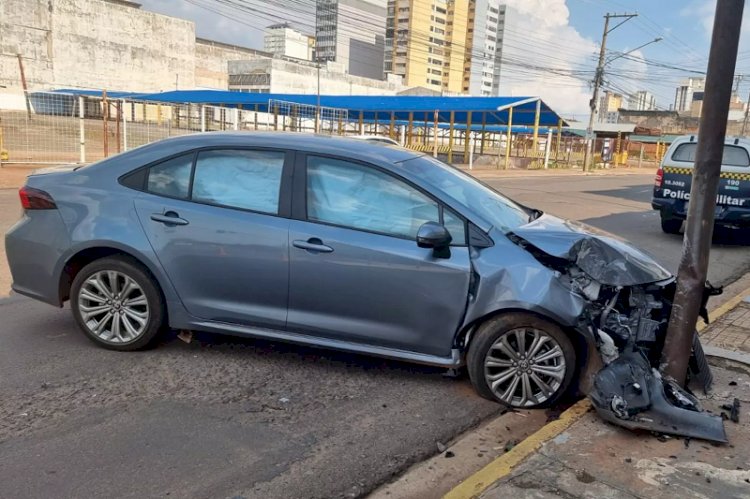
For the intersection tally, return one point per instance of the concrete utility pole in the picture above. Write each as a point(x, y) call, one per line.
point(691, 277)
point(598, 77)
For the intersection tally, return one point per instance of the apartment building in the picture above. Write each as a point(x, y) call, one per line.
point(352, 33)
point(426, 43)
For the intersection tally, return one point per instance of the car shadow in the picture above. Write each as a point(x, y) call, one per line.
point(638, 193)
point(300, 355)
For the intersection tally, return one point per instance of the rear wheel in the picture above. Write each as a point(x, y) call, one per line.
point(117, 304)
point(521, 361)
point(671, 225)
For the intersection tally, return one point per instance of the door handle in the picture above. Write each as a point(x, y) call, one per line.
point(168, 218)
point(313, 244)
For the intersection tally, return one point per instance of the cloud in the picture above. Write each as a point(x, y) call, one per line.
point(544, 55)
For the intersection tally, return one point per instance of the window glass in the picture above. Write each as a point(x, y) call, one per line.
point(171, 177)
point(239, 179)
point(455, 226)
point(466, 190)
point(733, 155)
point(352, 195)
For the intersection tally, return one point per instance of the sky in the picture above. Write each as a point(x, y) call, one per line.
point(551, 46)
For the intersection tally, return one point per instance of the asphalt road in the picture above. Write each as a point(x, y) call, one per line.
point(225, 417)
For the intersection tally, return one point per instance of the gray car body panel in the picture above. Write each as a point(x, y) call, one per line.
point(602, 256)
point(434, 300)
point(510, 278)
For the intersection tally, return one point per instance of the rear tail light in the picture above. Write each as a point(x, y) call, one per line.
point(659, 178)
point(35, 199)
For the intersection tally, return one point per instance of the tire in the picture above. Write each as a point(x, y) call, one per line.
point(671, 225)
point(140, 313)
point(555, 371)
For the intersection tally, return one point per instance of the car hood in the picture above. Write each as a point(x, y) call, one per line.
point(603, 257)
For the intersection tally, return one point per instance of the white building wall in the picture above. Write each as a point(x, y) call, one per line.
point(93, 44)
point(98, 44)
point(296, 78)
point(287, 42)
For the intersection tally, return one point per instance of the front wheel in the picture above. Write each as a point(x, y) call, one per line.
point(117, 304)
point(521, 361)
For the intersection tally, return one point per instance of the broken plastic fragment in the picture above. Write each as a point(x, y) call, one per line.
point(629, 393)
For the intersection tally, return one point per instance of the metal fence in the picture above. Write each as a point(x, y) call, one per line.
point(66, 128)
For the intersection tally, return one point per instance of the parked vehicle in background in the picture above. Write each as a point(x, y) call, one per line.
point(674, 180)
point(337, 243)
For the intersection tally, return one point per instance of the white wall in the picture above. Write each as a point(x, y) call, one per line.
point(93, 44)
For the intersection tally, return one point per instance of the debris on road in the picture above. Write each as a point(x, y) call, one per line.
point(185, 335)
point(441, 447)
point(734, 410)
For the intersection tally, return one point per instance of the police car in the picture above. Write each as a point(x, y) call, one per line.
point(675, 175)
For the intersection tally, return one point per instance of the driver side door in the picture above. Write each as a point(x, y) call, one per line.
point(356, 272)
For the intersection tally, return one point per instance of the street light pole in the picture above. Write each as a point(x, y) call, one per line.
point(588, 152)
point(691, 276)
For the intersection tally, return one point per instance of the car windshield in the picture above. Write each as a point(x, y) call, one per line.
point(495, 208)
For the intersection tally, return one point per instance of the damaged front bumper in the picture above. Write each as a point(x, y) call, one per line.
point(629, 301)
point(631, 393)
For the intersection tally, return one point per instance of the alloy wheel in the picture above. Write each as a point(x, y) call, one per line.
point(525, 367)
point(113, 307)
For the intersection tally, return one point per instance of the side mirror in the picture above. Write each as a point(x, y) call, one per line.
point(435, 236)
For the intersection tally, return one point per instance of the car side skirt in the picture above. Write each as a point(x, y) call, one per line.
point(455, 360)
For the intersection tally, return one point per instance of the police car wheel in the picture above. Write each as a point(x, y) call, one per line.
point(671, 225)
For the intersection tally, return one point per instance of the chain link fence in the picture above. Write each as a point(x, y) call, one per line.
point(60, 128)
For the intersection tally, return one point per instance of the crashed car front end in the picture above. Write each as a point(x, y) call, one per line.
point(619, 300)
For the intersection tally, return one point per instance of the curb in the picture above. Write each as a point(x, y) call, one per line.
point(480, 481)
point(714, 315)
point(503, 465)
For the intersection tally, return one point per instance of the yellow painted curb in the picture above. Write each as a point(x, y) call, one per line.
point(714, 315)
point(503, 465)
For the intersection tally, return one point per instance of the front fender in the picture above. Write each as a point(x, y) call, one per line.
point(511, 278)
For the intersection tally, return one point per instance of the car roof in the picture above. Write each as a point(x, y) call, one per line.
point(728, 140)
point(317, 143)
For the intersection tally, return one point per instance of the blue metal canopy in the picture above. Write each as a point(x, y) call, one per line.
point(490, 110)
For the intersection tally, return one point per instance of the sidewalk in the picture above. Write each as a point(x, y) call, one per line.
point(581, 456)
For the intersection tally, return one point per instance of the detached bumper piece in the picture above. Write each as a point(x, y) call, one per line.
point(630, 393)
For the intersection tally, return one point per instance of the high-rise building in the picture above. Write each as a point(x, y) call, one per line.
point(609, 103)
point(426, 43)
point(283, 40)
point(352, 34)
point(487, 19)
point(643, 100)
point(690, 90)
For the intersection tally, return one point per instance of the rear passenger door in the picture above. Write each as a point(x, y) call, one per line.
point(216, 221)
